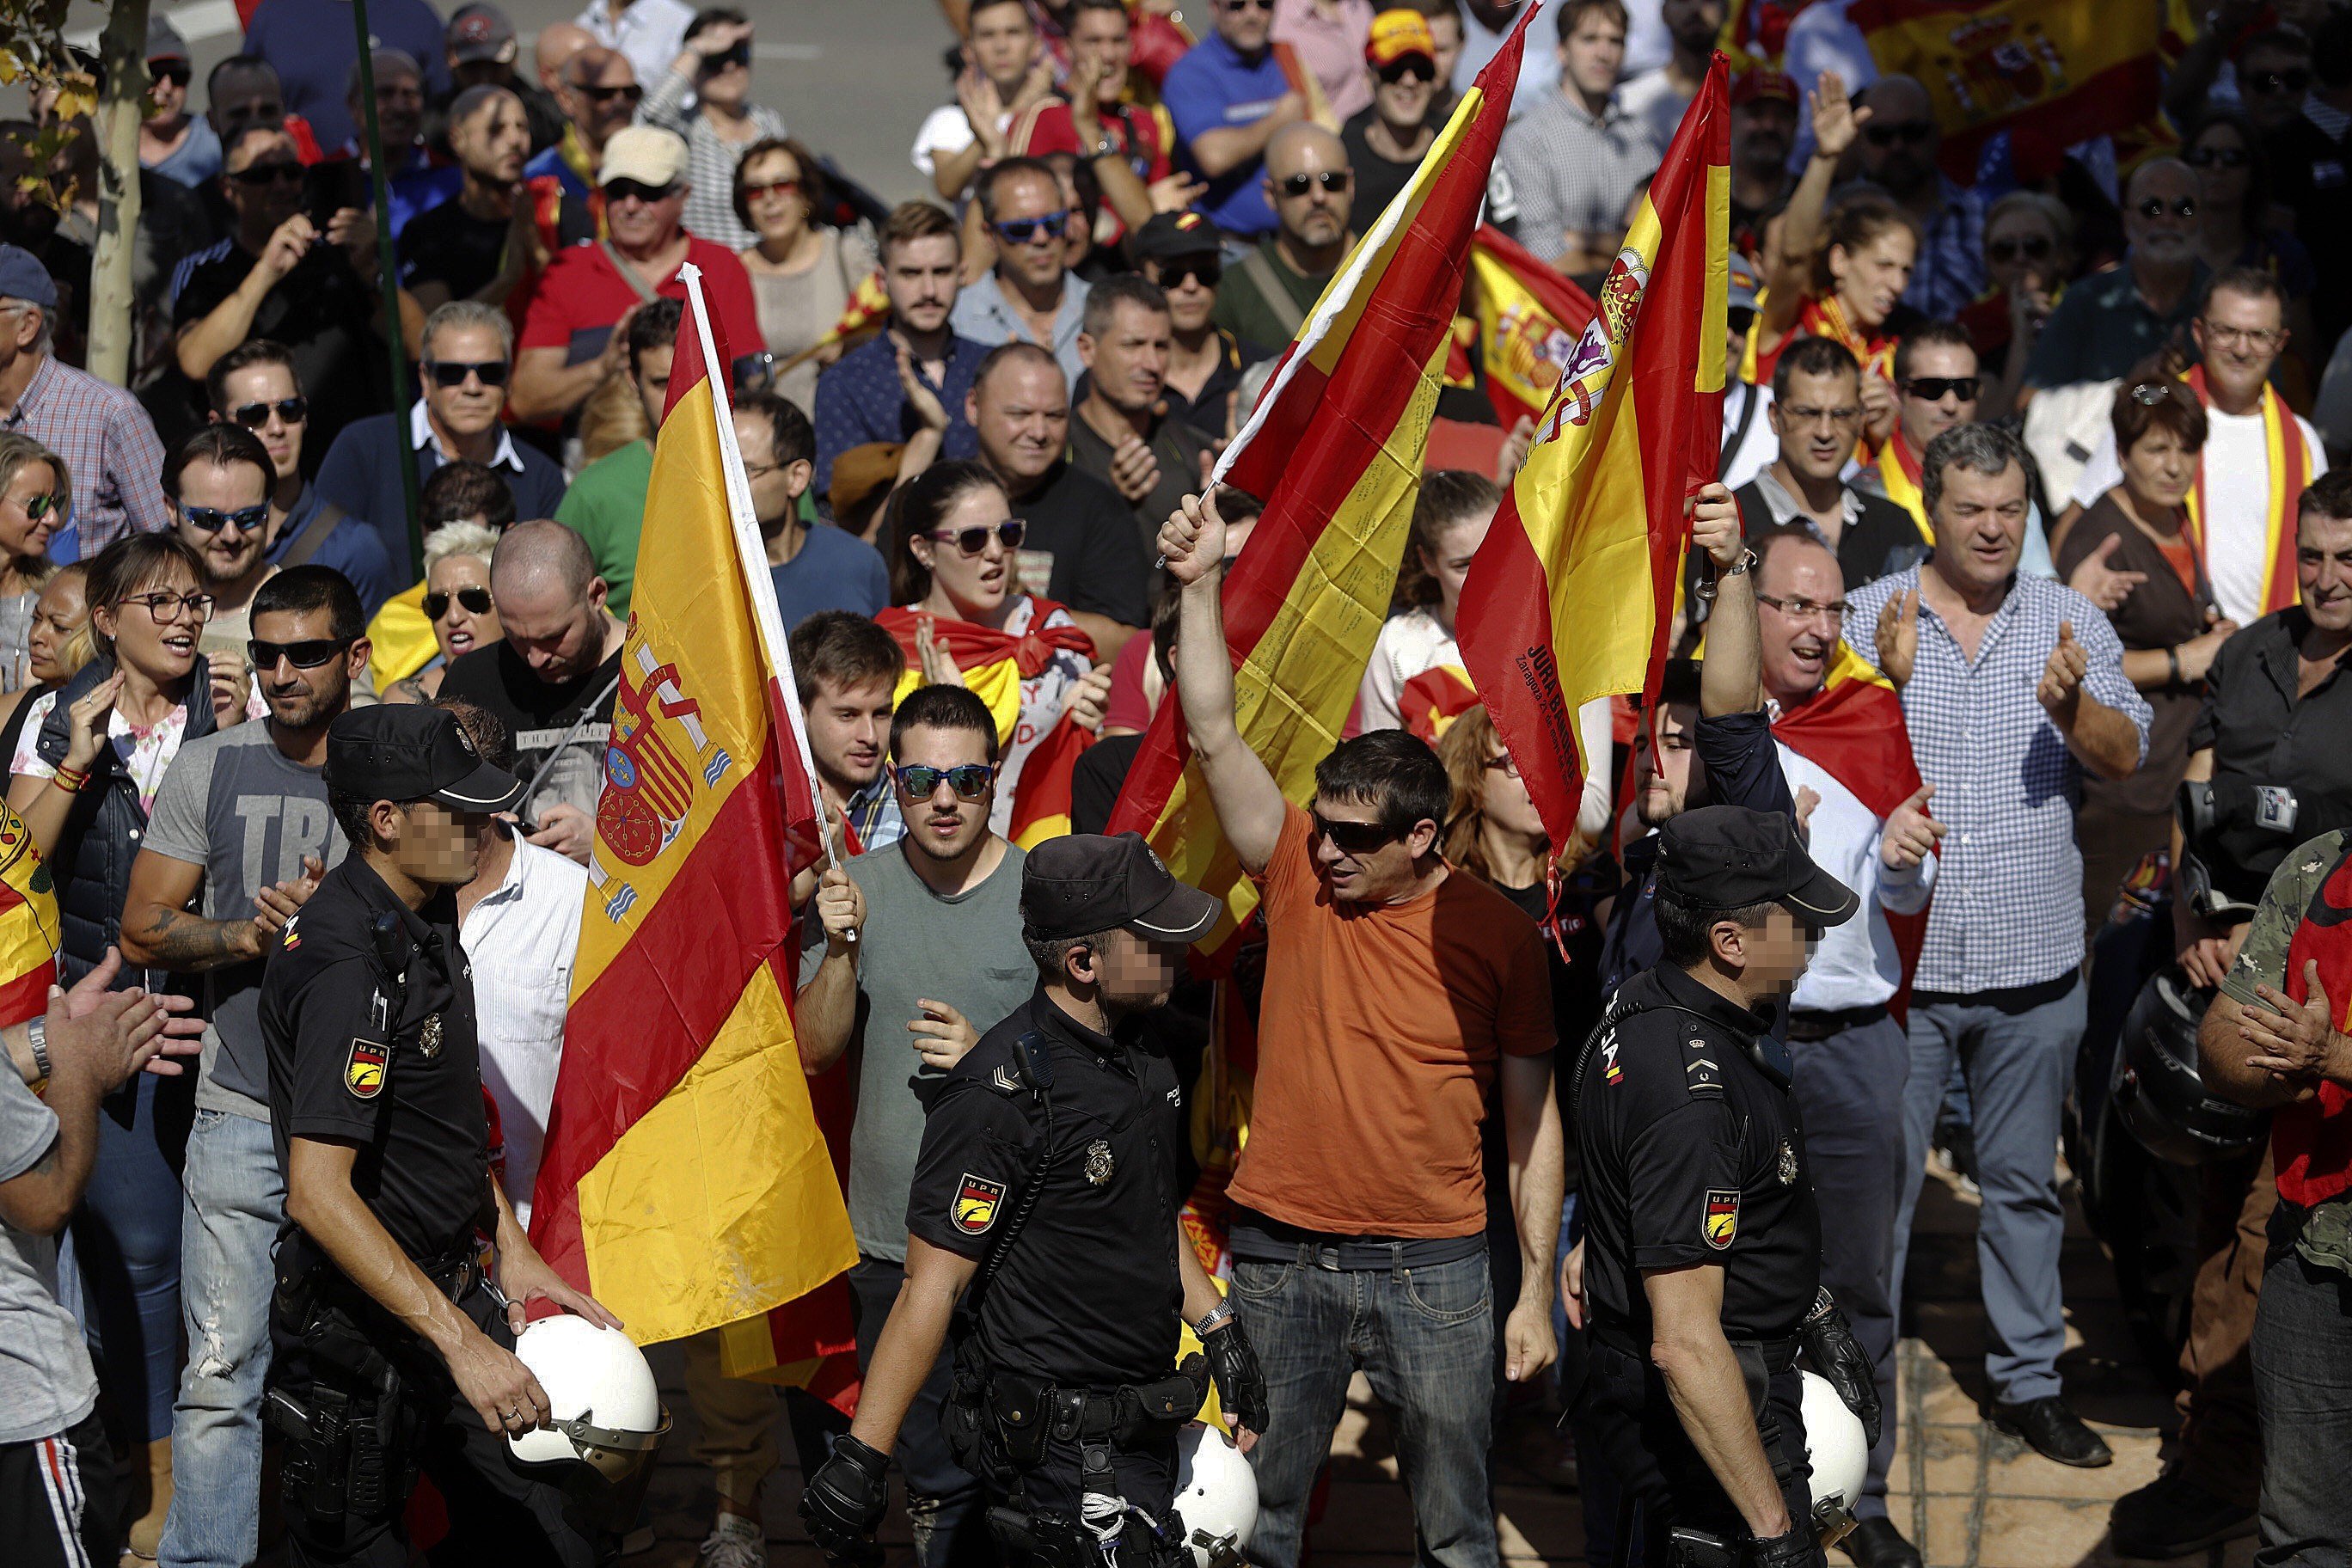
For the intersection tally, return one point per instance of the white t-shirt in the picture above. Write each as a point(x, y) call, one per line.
point(946, 129)
point(2237, 502)
point(1854, 964)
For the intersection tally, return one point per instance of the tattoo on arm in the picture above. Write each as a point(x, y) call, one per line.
point(188, 943)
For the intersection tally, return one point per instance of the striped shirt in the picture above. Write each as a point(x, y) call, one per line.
point(1569, 171)
point(710, 159)
point(111, 451)
point(2009, 889)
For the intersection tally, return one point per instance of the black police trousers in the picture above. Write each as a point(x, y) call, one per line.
point(1667, 1485)
point(498, 1512)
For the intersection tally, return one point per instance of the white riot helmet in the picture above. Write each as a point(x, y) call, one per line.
point(1839, 1454)
point(607, 1411)
point(1216, 1496)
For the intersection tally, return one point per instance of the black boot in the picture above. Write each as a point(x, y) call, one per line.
point(2172, 1516)
point(1876, 1543)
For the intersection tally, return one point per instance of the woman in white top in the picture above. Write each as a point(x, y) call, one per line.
point(804, 274)
point(1449, 522)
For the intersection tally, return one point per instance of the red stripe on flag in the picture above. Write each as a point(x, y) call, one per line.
point(27, 995)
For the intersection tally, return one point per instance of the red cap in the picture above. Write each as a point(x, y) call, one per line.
point(1764, 82)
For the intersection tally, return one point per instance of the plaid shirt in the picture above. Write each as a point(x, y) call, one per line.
point(1950, 272)
point(113, 457)
point(2009, 890)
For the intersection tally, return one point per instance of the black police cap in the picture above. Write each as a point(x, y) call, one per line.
point(1083, 883)
point(1729, 858)
point(406, 751)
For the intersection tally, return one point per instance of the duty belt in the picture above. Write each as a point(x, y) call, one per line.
point(1809, 1024)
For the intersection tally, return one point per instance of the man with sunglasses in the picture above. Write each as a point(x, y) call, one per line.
point(241, 819)
point(1183, 254)
point(254, 387)
point(2111, 320)
point(1898, 155)
point(599, 90)
point(1576, 157)
point(173, 142)
point(650, 34)
point(1028, 295)
point(1308, 182)
point(1227, 98)
point(1386, 138)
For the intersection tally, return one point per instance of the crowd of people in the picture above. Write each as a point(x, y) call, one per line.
point(2041, 442)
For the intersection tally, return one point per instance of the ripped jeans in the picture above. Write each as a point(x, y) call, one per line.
point(234, 1200)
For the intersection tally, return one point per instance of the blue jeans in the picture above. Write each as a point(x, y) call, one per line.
point(235, 1198)
point(126, 1248)
point(1424, 1338)
point(2302, 1386)
point(2020, 1066)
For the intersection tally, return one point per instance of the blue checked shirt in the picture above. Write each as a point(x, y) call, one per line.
point(1950, 270)
point(2009, 890)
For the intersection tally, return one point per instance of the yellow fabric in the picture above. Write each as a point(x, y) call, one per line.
point(30, 936)
point(401, 638)
point(1901, 490)
point(1984, 62)
point(998, 685)
point(2279, 516)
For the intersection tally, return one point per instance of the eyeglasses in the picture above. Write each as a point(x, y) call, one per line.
point(41, 506)
point(1800, 415)
point(1413, 67)
point(2253, 337)
point(452, 373)
point(1030, 230)
point(308, 653)
point(630, 93)
point(637, 191)
point(1353, 837)
point(1934, 388)
point(175, 72)
point(1506, 764)
point(1205, 270)
point(2294, 79)
point(166, 608)
point(973, 541)
point(1805, 610)
point(971, 781)
point(2033, 246)
point(1910, 133)
point(2217, 157)
point(212, 519)
point(257, 175)
point(772, 189)
point(436, 604)
point(2182, 206)
point(1265, 5)
point(254, 416)
point(1332, 180)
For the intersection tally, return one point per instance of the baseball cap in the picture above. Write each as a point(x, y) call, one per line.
point(1764, 82)
point(23, 278)
point(479, 33)
point(645, 153)
point(1741, 291)
point(1082, 883)
point(1729, 858)
point(408, 751)
point(1167, 235)
point(1397, 33)
point(163, 41)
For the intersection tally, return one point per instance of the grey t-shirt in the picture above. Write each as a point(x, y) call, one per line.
point(45, 1382)
point(964, 950)
point(234, 804)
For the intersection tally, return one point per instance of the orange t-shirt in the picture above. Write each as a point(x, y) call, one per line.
point(1378, 1038)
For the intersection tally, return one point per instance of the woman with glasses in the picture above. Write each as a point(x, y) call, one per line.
point(713, 74)
point(457, 603)
point(804, 274)
point(965, 619)
point(2134, 555)
point(34, 498)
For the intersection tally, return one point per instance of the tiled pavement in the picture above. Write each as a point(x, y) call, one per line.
point(1970, 1497)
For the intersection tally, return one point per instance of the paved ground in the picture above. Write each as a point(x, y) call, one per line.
point(1972, 1498)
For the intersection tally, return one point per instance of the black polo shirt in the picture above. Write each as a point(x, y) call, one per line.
point(352, 1060)
point(1090, 1292)
point(1082, 540)
point(326, 318)
point(1692, 1155)
point(2262, 733)
point(1206, 413)
point(1175, 446)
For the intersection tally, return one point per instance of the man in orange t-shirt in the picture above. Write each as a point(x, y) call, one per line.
point(1396, 995)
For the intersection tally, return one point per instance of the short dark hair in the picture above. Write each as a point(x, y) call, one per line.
point(2247, 282)
point(814, 184)
point(1814, 356)
point(979, 6)
point(1987, 449)
point(2157, 403)
point(1393, 771)
point(1003, 169)
point(252, 65)
point(1004, 354)
point(1573, 11)
point(307, 589)
point(1105, 298)
point(1762, 541)
point(1678, 684)
point(1928, 335)
point(1107, 7)
point(485, 729)
point(845, 648)
point(464, 489)
point(218, 446)
point(654, 326)
point(942, 707)
point(247, 355)
point(2329, 495)
point(351, 815)
point(1052, 954)
point(1683, 927)
point(790, 438)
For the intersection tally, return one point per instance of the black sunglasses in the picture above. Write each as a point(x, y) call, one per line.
point(41, 506)
point(1353, 837)
point(1932, 388)
point(1413, 67)
point(212, 519)
point(1739, 318)
point(740, 54)
point(308, 653)
point(288, 174)
point(176, 72)
point(1204, 270)
point(436, 604)
point(971, 781)
point(452, 373)
point(1332, 180)
point(2181, 206)
point(1028, 230)
point(637, 190)
point(973, 541)
point(254, 416)
point(2217, 157)
point(2294, 79)
point(632, 92)
point(2033, 246)
point(1911, 132)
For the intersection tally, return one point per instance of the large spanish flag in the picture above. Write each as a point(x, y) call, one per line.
point(1335, 449)
point(29, 932)
point(1572, 596)
point(685, 1181)
point(1528, 320)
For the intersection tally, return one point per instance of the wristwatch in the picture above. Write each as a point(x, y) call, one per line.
point(1105, 148)
point(1215, 1318)
point(38, 1034)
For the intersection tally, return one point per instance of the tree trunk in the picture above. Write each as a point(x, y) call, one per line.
point(121, 109)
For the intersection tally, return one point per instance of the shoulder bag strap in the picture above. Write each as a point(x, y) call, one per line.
point(629, 275)
point(314, 534)
point(1260, 271)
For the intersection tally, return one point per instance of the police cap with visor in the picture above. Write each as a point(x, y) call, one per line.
point(405, 752)
point(1083, 883)
point(1729, 858)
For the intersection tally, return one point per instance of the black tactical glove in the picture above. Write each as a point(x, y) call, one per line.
point(1241, 1382)
point(1797, 1548)
point(844, 1502)
point(1837, 1356)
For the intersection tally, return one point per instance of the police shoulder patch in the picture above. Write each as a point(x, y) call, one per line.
point(1702, 1073)
point(364, 1069)
point(976, 1203)
point(293, 937)
point(1720, 1221)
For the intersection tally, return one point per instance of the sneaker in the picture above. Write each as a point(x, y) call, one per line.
point(734, 1543)
point(2172, 1516)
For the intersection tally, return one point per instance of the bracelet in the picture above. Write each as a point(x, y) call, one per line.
point(37, 1033)
point(1215, 1318)
point(69, 780)
point(2172, 658)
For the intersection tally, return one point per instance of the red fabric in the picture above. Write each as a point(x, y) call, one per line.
point(1129, 707)
point(973, 646)
point(2310, 1143)
point(581, 291)
point(1050, 130)
point(2283, 592)
point(1159, 42)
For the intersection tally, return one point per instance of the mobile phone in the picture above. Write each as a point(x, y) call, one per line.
point(328, 188)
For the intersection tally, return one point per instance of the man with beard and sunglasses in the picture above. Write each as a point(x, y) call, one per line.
point(467, 353)
point(239, 834)
point(2111, 320)
point(1307, 181)
point(917, 949)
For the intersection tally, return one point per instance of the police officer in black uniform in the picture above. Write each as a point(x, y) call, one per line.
point(392, 1350)
point(1046, 1201)
point(1702, 1253)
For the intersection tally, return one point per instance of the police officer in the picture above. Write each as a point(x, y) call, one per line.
point(393, 1351)
point(1045, 1200)
point(1701, 1268)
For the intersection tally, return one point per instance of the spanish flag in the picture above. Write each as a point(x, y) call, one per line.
point(685, 1181)
point(29, 933)
point(1334, 448)
point(2287, 468)
point(1432, 699)
point(1529, 319)
point(1572, 596)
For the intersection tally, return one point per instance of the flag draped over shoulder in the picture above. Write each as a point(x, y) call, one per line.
point(685, 1182)
point(1334, 448)
point(2288, 467)
point(1572, 596)
point(1529, 319)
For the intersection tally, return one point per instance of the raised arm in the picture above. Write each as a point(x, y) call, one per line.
point(1788, 270)
point(1730, 676)
point(1249, 804)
